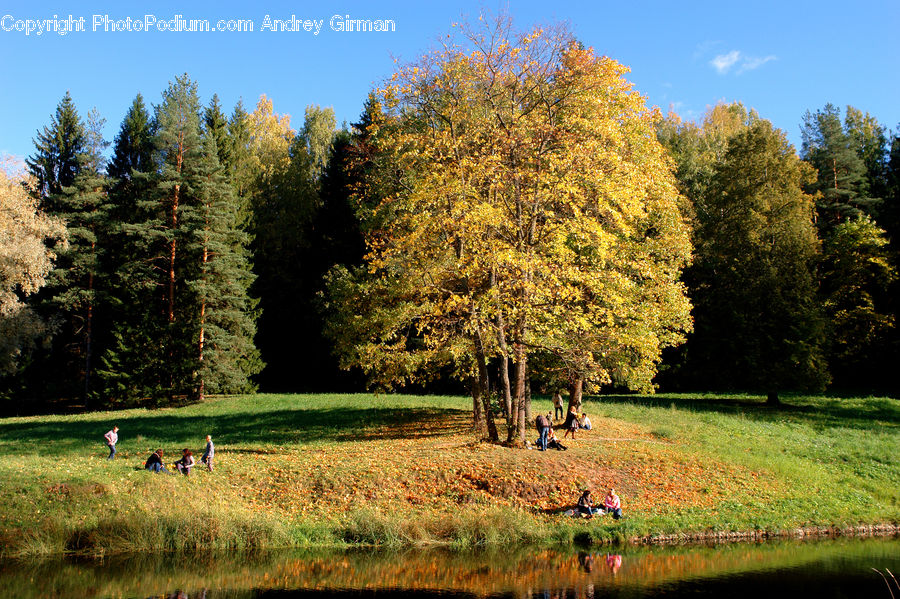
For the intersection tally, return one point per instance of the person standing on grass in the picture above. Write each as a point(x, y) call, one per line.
point(571, 424)
point(557, 405)
point(543, 426)
point(208, 454)
point(612, 504)
point(112, 437)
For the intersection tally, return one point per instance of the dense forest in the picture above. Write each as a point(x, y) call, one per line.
point(501, 245)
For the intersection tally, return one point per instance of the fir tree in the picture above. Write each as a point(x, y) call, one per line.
point(239, 159)
point(215, 123)
point(80, 283)
point(54, 164)
point(128, 370)
point(132, 149)
point(842, 179)
point(219, 282)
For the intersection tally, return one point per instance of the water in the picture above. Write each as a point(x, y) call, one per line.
point(826, 569)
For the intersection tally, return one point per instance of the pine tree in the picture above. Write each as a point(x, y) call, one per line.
point(890, 212)
point(220, 280)
point(215, 123)
point(132, 149)
point(67, 166)
point(128, 370)
point(238, 164)
point(868, 140)
point(55, 162)
point(842, 179)
point(193, 327)
point(153, 359)
point(80, 283)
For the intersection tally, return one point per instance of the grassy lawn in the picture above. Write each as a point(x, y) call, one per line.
point(309, 470)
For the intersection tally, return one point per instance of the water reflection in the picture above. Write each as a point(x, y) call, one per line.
point(526, 573)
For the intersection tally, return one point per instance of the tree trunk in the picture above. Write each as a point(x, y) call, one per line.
point(575, 389)
point(772, 399)
point(484, 385)
point(504, 368)
point(173, 224)
point(521, 367)
point(477, 413)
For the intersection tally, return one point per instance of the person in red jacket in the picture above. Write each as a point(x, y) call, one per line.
point(612, 504)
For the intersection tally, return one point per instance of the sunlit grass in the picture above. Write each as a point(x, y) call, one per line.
point(333, 470)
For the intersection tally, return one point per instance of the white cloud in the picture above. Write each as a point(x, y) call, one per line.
point(751, 62)
point(723, 62)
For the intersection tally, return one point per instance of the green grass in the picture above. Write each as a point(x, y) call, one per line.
point(393, 470)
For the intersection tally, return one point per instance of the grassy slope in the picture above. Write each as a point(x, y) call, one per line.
point(359, 469)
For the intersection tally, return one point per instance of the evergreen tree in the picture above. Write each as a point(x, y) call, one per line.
point(215, 123)
point(758, 325)
point(129, 369)
point(192, 332)
point(153, 358)
point(226, 321)
point(54, 164)
point(868, 140)
point(238, 163)
point(890, 211)
point(132, 148)
point(80, 283)
point(842, 181)
point(851, 160)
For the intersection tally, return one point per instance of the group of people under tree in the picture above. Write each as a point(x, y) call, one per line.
point(155, 462)
point(547, 437)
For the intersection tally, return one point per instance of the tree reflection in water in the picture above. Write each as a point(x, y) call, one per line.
point(525, 573)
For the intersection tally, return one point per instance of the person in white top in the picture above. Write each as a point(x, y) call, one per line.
point(584, 422)
point(112, 437)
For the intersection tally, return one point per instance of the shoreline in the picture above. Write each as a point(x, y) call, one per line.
point(862, 531)
point(579, 540)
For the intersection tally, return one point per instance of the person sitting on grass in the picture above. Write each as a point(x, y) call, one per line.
point(155, 462)
point(584, 422)
point(553, 442)
point(186, 462)
point(612, 504)
point(585, 504)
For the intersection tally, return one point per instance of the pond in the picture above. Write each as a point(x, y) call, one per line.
point(820, 569)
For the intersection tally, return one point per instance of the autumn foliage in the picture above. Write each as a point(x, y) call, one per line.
point(522, 209)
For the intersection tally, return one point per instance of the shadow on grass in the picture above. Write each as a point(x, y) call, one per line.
point(263, 431)
point(865, 414)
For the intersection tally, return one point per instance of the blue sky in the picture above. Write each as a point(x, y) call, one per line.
point(781, 58)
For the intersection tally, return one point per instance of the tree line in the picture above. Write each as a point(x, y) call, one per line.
point(506, 214)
